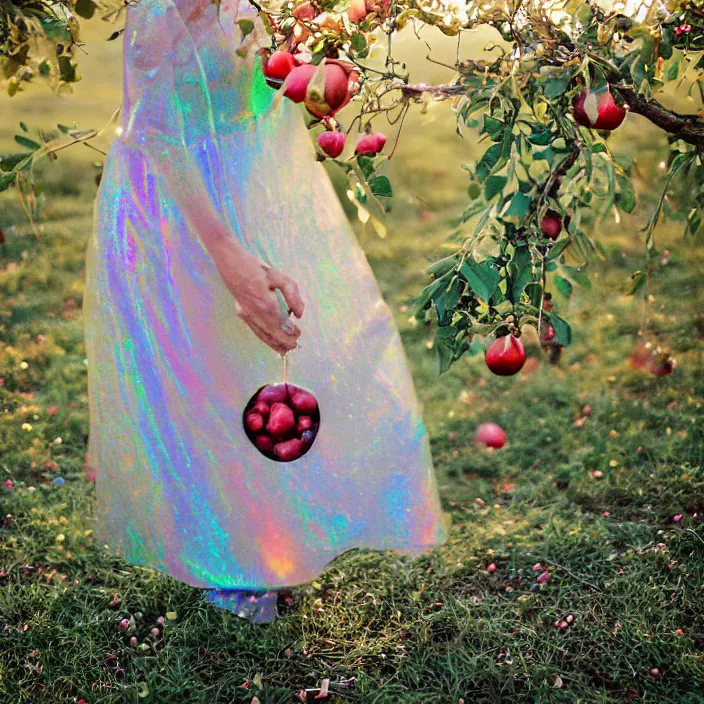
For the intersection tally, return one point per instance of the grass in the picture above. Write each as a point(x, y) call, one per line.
point(435, 629)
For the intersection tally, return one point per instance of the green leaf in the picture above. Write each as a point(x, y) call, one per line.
point(429, 292)
point(246, 27)
point(444, 347)
point(638, 280)
point(85, 8)
point(7, 180)
point(563, 332)
point(555, 88)
point(494, 128)
point(540, 135)
point(558, 248)
point(442, 267)
point(626, 197)
point(518, 208)
point(24, 127)
point(494, 185)
point(380, 186)
point(27, 142)
point(577, 275)
point(445, 303)
point(482, 277)
point(521, 268)
point(359, 45)
point(489, 159)
point(563, 286)
point(10, 161)
point(67, 69)
point(671, 69)
point(445, 356)
point(366, 164)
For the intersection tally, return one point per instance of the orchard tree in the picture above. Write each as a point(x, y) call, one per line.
point(563, 75)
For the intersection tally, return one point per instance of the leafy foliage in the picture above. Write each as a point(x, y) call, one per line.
point(38, 38)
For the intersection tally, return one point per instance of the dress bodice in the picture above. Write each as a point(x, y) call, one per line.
point(187, 58)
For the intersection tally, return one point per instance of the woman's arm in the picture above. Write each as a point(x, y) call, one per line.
point(166, 98)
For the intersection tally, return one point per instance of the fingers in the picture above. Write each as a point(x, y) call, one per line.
point(268, 326)
point(289, 289)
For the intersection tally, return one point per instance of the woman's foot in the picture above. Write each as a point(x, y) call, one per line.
point(257, 606)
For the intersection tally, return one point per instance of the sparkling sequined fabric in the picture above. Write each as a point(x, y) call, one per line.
point(171, 366)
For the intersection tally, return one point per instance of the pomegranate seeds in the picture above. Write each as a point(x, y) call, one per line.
point(282, 421)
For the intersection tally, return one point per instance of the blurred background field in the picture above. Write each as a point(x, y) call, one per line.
point(609, 507)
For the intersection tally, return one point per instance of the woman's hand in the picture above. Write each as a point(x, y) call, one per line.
point(253, 286)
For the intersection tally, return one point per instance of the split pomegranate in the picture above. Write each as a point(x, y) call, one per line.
point(490, 435)
point(282, 421)
point(601, 113)
point(505, 356)
point(328, 91)
point(297, 82)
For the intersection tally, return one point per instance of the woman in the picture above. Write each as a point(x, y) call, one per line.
point(213, 211)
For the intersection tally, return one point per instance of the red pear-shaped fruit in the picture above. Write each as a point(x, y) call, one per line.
point(505, 356)
point(289, 450)
point(370, 144)
point(281, 420)
point(264, 443)
point(304, 423)
point(273, 393)
point(297, 81)
point(332, 144)
point(600, 113)
point(254, 422)
point(357, 11)
point(551, 225)
point(304, 402)
point(279, 65)
point(305, 11)
point(326, 93)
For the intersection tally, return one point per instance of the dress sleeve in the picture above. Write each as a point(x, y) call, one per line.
point(168, 115)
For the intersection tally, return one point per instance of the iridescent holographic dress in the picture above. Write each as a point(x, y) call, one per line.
point(171, 366)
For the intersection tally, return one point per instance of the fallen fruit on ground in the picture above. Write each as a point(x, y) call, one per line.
point(490, 435)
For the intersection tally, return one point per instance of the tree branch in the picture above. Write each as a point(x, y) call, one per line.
point(688, 128)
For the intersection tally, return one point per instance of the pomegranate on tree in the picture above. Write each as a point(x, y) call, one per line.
point(551, 225)
point(598, 111)
point(331, 144)
point(505, 356)
point(330, 88)
point(297, 81)
point(490, 435)
point(279, 65)
point(370, 144)
point(305, 11)
point(357, 11)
